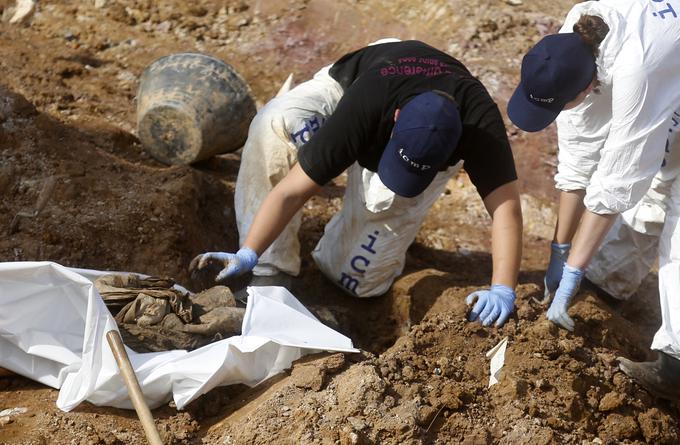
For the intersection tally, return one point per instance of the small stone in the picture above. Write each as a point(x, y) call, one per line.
point(13, 411)
point(389, 401)
point(356, 423)
point(617, 427)
point(22, 12)
point(611, 401)
point(542, 384)
point(658, 427)
point(514, 388)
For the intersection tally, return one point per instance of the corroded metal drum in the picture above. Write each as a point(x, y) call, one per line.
point(190, 107)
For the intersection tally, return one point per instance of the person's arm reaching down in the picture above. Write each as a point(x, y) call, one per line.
point(590, 234)
point(503, 204)
point(568, 219)
point(496, 304)
point(278, 208)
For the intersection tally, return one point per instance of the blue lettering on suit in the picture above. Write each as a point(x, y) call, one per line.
point(304, 134)
point(358, 264)
point(668, 11)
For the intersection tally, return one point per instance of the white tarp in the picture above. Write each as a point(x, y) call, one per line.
point(497, 356)
point(53, 324)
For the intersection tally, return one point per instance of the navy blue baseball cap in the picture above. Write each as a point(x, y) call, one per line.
point(554, 72)
point(423, 140)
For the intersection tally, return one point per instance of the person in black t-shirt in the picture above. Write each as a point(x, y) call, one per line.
point(400, 118)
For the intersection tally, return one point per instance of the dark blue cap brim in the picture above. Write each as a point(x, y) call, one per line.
point(401, 180)
point(528, 116)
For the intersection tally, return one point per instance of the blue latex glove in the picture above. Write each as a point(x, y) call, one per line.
point(558, 257)
point(235, 264)
point(557, 313)
point(495, 304)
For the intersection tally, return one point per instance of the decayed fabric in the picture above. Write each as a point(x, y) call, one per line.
point(144, 300)
point(160, 317)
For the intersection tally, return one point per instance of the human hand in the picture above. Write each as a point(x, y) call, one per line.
point(495, 304)
point(557, 313)
point(558, 257)
point(235, 264)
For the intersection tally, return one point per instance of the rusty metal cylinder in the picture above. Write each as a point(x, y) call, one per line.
point(192, 106)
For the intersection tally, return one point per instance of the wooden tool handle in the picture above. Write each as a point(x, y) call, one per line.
point(135, 392)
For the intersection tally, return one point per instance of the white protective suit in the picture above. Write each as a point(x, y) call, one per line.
point(612, 145)
point(363, 248)
point(631, 247)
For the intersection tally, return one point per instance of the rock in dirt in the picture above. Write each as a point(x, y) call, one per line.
point(311, 373)
point(21, 13)
point(611, 401)
point(13, 411)
point(525, 431)
point(14, 105)
point(512, 387)
point(367, 388)
point(658, 427)
point(618, 427)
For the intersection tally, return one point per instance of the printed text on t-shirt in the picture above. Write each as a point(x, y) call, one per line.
point(416, 66)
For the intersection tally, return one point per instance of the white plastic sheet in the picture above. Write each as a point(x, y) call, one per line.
point(53, 324)
point(497, 356)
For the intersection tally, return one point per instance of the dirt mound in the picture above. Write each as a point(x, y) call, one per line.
point(431, 387)
point(104, 203)
point(87, 195)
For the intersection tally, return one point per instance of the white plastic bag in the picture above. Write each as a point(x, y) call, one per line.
point(53, 325)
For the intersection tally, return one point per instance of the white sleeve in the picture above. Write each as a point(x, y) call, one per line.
point(634, 148)
point(581, 134)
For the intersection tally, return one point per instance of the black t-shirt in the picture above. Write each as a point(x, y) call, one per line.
point(379, 79)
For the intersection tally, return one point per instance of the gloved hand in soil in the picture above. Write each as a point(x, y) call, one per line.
point(495, 304)
point(235, 264)
point(558, 257)
point(557, 313)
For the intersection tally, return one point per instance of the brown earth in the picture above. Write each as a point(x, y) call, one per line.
point(67, 145)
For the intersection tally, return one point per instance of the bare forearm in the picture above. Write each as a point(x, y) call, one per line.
point(278, 208)
point(569, 215)
point(587, 241)
point(506, 246)
point(270, 221)
point(504, 207)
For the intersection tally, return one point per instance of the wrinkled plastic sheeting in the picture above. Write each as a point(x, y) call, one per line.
point(497, 360)
point(53, 324)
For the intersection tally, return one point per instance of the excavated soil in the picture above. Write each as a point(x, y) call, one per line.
point(68, 150)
